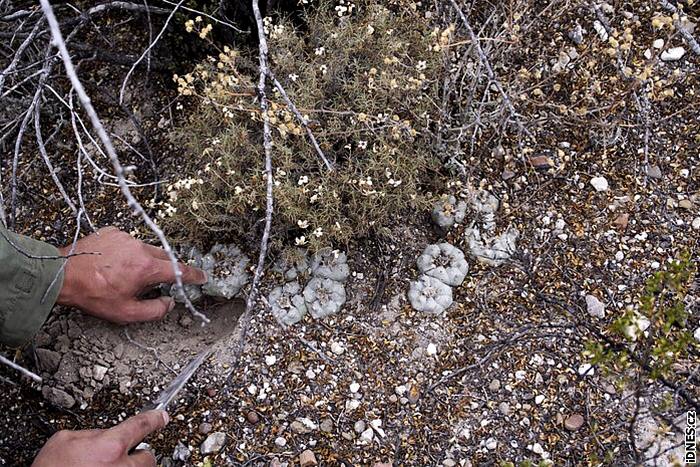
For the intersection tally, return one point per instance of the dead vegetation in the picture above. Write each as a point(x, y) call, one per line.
point(359, 117)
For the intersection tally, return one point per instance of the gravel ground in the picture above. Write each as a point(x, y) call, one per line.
point(607, 196)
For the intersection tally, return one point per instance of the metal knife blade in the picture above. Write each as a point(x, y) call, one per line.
point(168, 394)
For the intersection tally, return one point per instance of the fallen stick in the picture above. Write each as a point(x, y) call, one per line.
point(21, 369)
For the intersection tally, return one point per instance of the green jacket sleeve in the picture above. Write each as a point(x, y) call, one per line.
point(25, 276)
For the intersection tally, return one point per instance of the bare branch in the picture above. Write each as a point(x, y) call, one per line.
point(267, 145)
point(146, 52)
point(107, 143)
point(489, 70)
point(301, 119)
point(21, 369)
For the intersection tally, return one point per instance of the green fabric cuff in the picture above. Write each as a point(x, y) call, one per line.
point(27, 294)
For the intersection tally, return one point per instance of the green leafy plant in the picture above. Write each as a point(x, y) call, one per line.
point(655, 334)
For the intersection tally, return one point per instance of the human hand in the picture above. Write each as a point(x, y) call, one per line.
point(103, 448)
point(108, 285)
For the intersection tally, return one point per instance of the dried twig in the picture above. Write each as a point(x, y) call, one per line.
point(673, 9)
point(301, 119)
point(147, 51)
point(114, 159)
point(269, 205)
point(21, 369)
point(489, 69)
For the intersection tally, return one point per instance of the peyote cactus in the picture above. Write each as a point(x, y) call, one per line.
point(226, 267)
point(330, 264)
point(429, 295)
point(287, 303)
point(444, 262)
point(324, 297)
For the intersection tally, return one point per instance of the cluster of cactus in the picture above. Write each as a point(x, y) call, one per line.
point(324, 293)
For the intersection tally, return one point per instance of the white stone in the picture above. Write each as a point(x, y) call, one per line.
point(696, 223)
point(537, 448)
point(672, 54)
point(539, 399)
point(270, 360)
point(351, 405)
point(354, 387)
point(586, 369)
point(600, 29)
point(491, 444)
point(337, 348)
point(213, 443)
point(696, 334)
point(658, 43)
point(367, 436)
point(431, 349)
point(595, 307)
point(280, 441)
point(619, 256)
point(99, 372)
point(600, 183)
point(376, 425)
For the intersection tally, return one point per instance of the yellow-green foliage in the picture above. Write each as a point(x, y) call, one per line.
point(365, 80)
point(656, 334)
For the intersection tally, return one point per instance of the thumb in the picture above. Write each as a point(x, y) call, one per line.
point(148, 310)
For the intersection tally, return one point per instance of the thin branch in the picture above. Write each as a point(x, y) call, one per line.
point(301, 119)
point(147, 51)
point(21, 369)
point(107, 143)
point(267, 145)
point(47, 161)
point(692, 42)
point(489, 70)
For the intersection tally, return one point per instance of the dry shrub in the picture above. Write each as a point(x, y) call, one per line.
point(364, 80)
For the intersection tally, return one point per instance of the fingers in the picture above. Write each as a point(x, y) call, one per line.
point(133, 430)
point(142, 458)
point(157, 253)
point(190, 275)
point(147, 310)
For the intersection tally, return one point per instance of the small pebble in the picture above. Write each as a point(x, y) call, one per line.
point(600, 183)
point(280, 442)
point(307, 459)
point(573, 422)
point(252, 417)
point(672, 54)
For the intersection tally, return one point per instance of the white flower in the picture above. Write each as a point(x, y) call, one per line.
point(318, 232)
point(303, 180)
point(299, 241)
point(294, 77)
point(362, 144)
point(324, 69)
point(238, 190)
point(320, 50)
point(303, 224)
point(422, 65)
